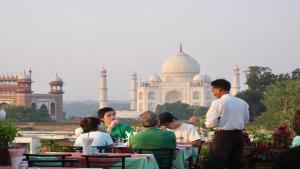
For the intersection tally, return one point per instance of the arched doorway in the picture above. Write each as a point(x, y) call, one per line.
point(33, 106)
point(52, 109)
point(44, 107)
point(173, 96)
point(3, 105)
point(196, 95)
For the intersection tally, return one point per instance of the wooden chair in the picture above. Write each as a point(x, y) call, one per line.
point(164, 157)
point(195, 166)
point(106, 161)
point(49, 160)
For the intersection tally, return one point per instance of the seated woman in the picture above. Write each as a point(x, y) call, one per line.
point(90, 129)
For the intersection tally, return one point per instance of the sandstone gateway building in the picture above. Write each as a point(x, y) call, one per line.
point(16, 90)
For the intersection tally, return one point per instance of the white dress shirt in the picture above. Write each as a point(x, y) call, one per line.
point(228, 113)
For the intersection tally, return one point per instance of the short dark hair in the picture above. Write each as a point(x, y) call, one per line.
point(104, 110)
point(221, 83)
point(296, 122)
point(165, 118)
point(90, 124)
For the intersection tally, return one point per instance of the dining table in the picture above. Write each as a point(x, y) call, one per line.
point(185, 153)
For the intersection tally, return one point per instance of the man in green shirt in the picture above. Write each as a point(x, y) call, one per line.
point(152, 137)
point(111, 125)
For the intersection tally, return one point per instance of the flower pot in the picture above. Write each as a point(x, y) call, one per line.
point(4, 157)
point(276, 151)
point(263, 165)
point(248, 150)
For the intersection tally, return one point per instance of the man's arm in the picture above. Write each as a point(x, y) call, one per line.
point(247, 114)
point(213, 115)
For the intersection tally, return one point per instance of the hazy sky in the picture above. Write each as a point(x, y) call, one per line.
point(76, 38)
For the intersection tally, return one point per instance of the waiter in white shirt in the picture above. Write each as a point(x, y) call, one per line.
point(228, 115)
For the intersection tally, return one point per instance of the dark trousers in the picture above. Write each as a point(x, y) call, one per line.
point(226, 150)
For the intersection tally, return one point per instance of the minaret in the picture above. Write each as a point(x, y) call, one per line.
point(133, 92)
point(235, 80)
point(103, 89)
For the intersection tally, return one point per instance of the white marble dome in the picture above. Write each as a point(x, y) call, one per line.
point(56, 79)
point(198, 77)
point(207, 78)
point(154, 78)
point(180, 63)
point(23, 77)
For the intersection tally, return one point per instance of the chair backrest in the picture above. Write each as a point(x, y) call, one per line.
point(43, 160)
point(73, 148)
point(164, 157)
point(198, 157)
point(105, 161)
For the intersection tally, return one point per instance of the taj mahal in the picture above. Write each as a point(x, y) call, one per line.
point(180, 80)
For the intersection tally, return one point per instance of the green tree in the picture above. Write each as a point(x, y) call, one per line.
point(282, 99)
point(24, 114)
point(178, 109)
point(296, 74)
point(258, 78)
point(253, 98)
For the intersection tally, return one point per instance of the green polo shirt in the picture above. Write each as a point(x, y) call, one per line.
point(154, 138)
point(119, 131)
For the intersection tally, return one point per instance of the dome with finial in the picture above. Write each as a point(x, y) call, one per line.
point(56, 79)
point(154, 78)
point(235, 67)
point(24, 76)
point(180, 63)
point(198, 77)
point(103, 70)
point(207, 78)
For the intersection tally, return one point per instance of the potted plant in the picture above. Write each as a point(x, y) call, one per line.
point(262, 157)
point(8, 132)
point(282, 139)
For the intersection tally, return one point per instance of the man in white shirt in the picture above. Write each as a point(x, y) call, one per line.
point(228, 115)
point(185, 133)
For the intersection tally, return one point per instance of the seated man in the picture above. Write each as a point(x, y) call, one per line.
point(185, 133)
point(110, 124)
point(290, 159)
point(153, 138)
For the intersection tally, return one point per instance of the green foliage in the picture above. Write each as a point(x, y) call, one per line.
point(24, 114)
point(50, 146)
point(204, 152)
point(260, 136)
point(199, 110)
point(258, 78)
point(181, 110)
point(254, 99)
point(283, 96)
point(282, 99)
point(8, 132)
